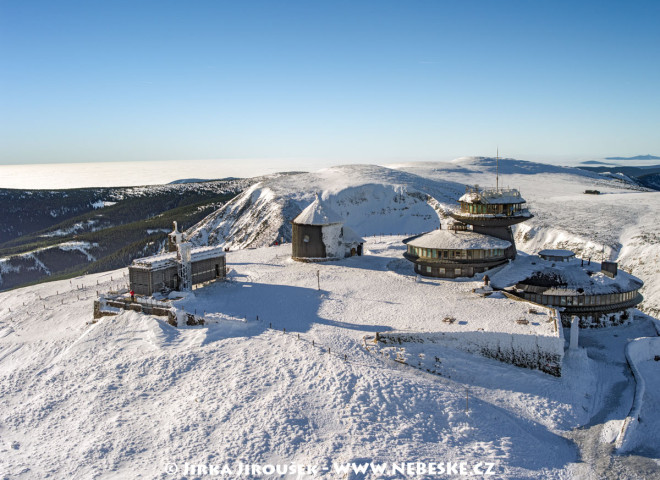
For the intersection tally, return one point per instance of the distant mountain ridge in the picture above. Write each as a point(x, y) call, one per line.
point(637, 157)
point(46, 234)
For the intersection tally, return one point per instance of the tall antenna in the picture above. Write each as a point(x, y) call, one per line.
point(497, 170)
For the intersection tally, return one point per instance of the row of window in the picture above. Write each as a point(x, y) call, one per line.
point(455, 254)
point(588, 300)
point(441, 271)
point(498, 209)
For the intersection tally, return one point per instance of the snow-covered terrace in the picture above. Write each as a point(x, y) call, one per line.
point(574, 277)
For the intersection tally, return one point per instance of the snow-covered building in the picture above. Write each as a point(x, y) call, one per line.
point(455, 253)
point(319, 233)
point(596, 293)
point(179, 269)
point(480, 239)
point(492, 211)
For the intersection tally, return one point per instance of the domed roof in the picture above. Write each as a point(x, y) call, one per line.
point(492, 196)
point(456, 240)
point(318, 213)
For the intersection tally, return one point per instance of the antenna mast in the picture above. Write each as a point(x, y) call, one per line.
point(497, 170)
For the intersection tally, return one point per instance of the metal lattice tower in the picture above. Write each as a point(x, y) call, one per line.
point(183, 257)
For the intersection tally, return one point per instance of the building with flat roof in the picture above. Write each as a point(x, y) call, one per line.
point(179, 269)
point(598, 294)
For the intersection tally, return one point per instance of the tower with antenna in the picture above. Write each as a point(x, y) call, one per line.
point(497, 170)
point(492, 211)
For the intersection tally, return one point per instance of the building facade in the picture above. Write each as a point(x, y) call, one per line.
point(179, 269)
point(479, 239)
point(597, 294)
point(455, 253)
point(319, 234)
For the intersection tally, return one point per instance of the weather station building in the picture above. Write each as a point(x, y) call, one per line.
point(319, 234)
point(182, 267)
point(492, 211)
point(479, 239)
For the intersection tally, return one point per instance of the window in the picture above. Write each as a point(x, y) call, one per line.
point(306, 239)
point(428, 269)
point(445, 254)
point(441, 271)
point(457, 272)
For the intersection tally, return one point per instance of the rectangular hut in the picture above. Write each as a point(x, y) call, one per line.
point(168, 271)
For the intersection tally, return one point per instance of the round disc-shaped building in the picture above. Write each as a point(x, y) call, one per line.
point(455, 253)
point(598, 294)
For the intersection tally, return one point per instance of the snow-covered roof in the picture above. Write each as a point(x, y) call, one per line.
point(350, 236)
point(573, 277)
point(164, 260)
point(318, 213)
point(457, 240)
point(556, 253)
point(492, 196)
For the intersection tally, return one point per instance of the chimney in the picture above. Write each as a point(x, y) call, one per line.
point(609, 268)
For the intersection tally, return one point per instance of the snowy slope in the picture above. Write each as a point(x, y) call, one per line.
point(372, 200)
point(127, 396)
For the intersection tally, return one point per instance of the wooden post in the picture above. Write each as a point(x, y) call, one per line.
point(318, 279)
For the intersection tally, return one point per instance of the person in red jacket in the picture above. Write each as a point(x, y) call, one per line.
point(132, 295)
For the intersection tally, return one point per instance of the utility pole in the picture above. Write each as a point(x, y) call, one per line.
point(497, 170)
point(318, 279)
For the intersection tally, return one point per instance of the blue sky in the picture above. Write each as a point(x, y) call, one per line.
point(327, 81)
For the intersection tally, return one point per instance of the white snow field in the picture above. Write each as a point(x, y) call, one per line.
point(130, 395)
point(133, 397)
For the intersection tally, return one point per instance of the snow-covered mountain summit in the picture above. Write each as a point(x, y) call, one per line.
point(410, 198)
point(370, 199)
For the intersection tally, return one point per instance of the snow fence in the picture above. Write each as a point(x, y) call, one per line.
point(539, 352)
